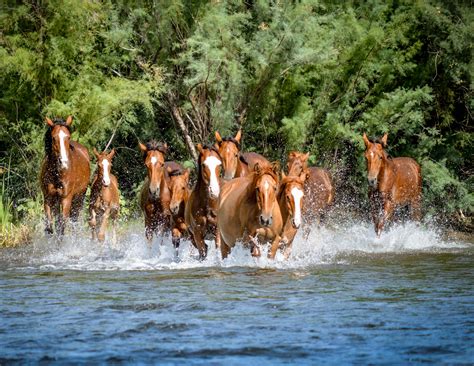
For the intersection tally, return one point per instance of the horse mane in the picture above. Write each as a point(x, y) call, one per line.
point(266, 170)
point(176, 172)
point(230, 139)
point(243, 160)
point(154, 145)
point(286, 180)
point(48, 139)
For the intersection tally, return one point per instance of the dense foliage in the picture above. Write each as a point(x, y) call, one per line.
point(306, 75)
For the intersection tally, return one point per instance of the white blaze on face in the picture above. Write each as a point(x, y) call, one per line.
point(153, 160)
point(212, 163)
point(106, 176)
point(62, 148)
point(297, 195)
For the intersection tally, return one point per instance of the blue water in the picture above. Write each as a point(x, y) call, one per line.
point(344, 297)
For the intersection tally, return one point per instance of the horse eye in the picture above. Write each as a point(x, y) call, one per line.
point(380, 157)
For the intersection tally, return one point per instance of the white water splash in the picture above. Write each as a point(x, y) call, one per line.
point(335, 245)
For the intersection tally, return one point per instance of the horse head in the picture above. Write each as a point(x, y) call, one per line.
point(209, 169)
point(104, 162)
point(292, 187)
point(229, 150)
point(297, 162)
point(266, 186)
point(154, 158)
point(376, 158)
point(178, 186)
point(58, 139)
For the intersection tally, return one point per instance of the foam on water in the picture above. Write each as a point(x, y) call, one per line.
point(334, 245)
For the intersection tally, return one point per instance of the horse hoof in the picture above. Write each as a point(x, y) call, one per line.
point(256, 251)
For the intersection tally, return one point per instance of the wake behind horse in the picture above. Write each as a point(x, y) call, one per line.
point(393, 182)
point(201, 210)
point(104, 200)
point(64, 176)
point(155, 195)
point(249, 210)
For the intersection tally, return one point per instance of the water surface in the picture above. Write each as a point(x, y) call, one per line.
point(344, 297)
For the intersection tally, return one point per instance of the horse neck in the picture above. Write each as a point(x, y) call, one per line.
point(387, 171)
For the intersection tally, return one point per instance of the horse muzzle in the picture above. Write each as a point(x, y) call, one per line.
point(154, 192)
point(372, 182)
point(295, 224)
point(265, 221)
point(174, 209)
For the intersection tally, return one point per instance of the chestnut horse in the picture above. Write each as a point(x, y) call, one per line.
point(249, 209)
point(318, 188)
point(201, 210)
point(64, 176)
point(179, 191)
point(155, 195)
point(290, 199)
point(104, 198)
point(393, 182)
point(234, 163)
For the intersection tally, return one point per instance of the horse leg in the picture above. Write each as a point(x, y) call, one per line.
point(103, 224)
point(148, 231)
point(274, 247)
point(287, 241)
point(416, 209)
point(387, 214)
point(175, 238)
point(48, 217)
point(93, 223)
point(65, 214)
point(200, 243)
point(225, 249)
point(114, 230)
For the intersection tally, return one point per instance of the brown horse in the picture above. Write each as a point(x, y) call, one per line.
point(229, 150)
point(393, 182)
point(249, 209)
point(201, 211)
point(318, 188)
point(178, 186)
point(64, 175)
point(105, 197)
point(290, 199)
point(155, 195)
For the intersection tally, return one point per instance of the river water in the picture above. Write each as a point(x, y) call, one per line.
point(344, 297)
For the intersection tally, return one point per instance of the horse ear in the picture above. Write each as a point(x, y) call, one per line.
point(169, 169)
point(187, 172)
point(256, 168)
point(291, 154)
point(384, 140)
point(111, 154)
point(142, 146)
point(304, 176)
point(69, 121)
point(305, 156)
point(218, 137)
point(49, 122)
point(276, 167)
point(283, 175)
point(238, 136)
point(199, 147)
point(96, 153)
point(164, 148)
point(366, 140)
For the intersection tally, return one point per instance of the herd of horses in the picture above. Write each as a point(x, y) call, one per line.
point(238, 196)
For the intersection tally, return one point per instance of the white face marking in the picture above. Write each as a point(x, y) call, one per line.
point(106, 179)
point(212, 163)
point(62, 148)
point(153, 160)
point(297, 195)
point(266, 185)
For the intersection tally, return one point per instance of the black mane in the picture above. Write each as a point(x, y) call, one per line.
point(157, 146)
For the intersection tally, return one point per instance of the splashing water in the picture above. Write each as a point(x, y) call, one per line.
point(336, 245)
